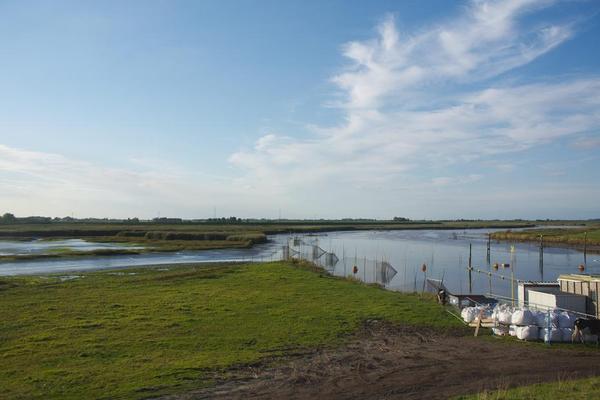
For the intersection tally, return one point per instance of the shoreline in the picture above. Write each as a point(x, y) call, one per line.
point(590, 249)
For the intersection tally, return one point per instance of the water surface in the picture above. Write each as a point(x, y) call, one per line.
point(444, 252)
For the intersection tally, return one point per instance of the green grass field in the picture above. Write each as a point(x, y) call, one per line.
point(137, 333)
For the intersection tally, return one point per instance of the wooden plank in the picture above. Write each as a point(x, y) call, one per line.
point(483, 324)
point(478, 326)
point(479, 318)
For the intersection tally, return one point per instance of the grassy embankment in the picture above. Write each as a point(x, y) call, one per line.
point(155, 237)
point(570, 237)
point(119, 335)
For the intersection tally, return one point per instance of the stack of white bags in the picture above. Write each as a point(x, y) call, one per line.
point(469, 314)
point(526, 324)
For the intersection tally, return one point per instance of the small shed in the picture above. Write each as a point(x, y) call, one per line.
point(586, 285)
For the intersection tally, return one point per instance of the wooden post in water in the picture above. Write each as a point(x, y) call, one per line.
point(512, 275)
point(542, 257)
point(344, 259)
point(470, 269)
point(424, 269)
point(585, 249)
point(415, 283)
point(488, 248)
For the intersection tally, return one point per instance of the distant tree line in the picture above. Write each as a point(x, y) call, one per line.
point(9, 218)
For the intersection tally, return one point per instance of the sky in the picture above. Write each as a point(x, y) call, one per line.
point(301, 109)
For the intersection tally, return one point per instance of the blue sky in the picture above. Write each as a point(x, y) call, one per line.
point(424, 109)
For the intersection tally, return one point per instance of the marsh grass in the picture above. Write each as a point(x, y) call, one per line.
point(574, 236)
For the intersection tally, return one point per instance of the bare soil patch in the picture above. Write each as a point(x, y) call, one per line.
point(390, 362)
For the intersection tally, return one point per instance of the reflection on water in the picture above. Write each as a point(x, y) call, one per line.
point(19, 248)
point(445, 254)
point(391, 258)
point(264, 252)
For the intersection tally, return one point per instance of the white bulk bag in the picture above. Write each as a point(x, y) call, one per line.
point(505, 317)
point(529, 332)
point(500, 330)
point(567, 334)
point(551, 335)
point(566, 320)
point(540, 318)
point(522, 317)
point(587, 338)
point(468, 314)
point(512, 330)
point(487, 312)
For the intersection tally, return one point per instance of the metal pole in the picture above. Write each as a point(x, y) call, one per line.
point(470, 269)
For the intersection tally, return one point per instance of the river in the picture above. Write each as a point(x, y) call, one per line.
point(391, 258)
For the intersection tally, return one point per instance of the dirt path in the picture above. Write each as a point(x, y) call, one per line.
point(387, 362)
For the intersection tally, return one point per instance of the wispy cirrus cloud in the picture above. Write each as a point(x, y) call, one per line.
point(410, 104)
point(485, 41)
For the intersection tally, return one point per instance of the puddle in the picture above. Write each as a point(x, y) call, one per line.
point(123, 273)
point(69, 277)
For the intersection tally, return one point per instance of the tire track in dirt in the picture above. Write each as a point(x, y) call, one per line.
point(391, 362)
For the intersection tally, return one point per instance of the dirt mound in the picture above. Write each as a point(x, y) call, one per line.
point(387, 362)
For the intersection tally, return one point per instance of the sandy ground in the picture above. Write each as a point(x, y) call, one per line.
point(386, 362)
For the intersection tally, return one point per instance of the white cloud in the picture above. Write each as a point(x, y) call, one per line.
point(587, 143)
point(411, 107)
point(51, 184)
point(422, 113)
point(484, 42)
point(456, 180)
